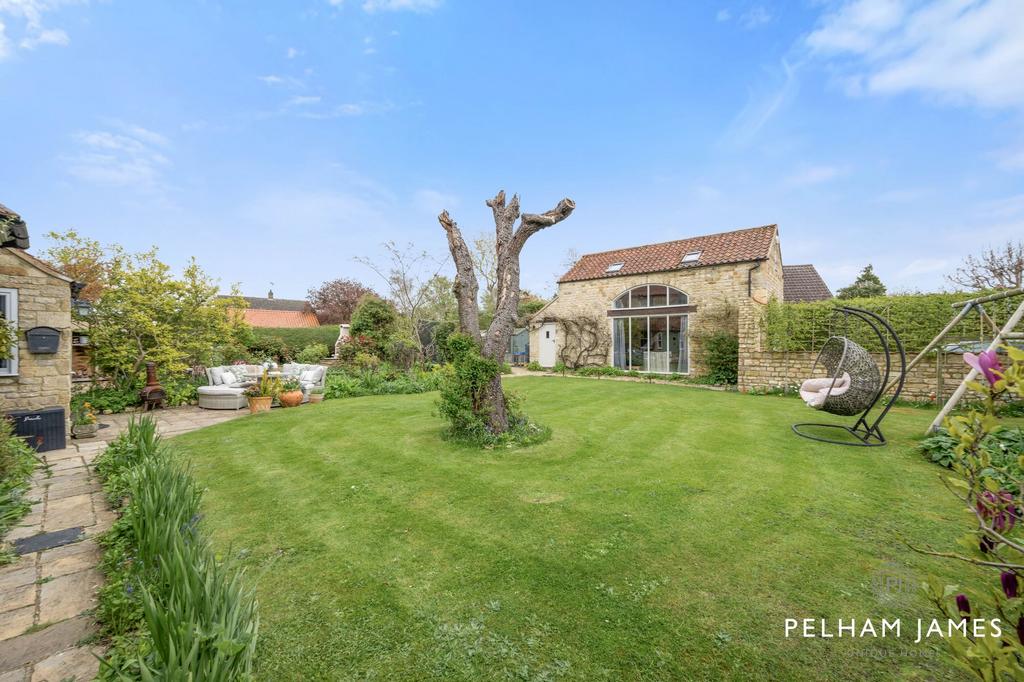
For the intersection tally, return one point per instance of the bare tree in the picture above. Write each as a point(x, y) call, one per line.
point(585, 341)
point(508, 244)
point(408, 276)
point(1001, 268)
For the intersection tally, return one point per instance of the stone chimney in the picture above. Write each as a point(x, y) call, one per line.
point(270, 294)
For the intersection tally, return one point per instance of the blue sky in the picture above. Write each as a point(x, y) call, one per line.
point(277, 141)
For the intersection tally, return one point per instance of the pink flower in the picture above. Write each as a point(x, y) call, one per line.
point(987, 363)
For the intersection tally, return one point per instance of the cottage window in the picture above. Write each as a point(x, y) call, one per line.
point(9, 313)
point(655, 338)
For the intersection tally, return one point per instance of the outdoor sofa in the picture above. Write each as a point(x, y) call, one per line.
point(227, 383)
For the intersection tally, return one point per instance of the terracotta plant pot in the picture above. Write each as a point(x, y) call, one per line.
point(260, 404)
point(316, 397)
point(290, 399)
point(84, 430)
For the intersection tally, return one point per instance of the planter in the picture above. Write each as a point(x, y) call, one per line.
point(260, 404)
point(316, 397)
point(84, 430)
point(290, 399)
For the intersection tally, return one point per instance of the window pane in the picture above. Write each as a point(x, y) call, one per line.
point(639, 298)
point(676, 297)
point(657, 356)
point(622, 301)
point(658, 295)
point(620, 341)
point(678, 359)
point(638, 342)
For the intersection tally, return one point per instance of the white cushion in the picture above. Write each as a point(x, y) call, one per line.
point(228, 377)
point(308, 375)
point(815, 392)
point(217, 374)
point(219, 390)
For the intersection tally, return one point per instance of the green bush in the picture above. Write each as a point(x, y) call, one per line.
point(17, 461)
point(299, 337)
point(1003, 446)
point(312, 354)
point(382, 380)
point(916, 318)
point(375, 321)
point(273, 348)
point(169, 607)
point(534, 366)
point(108, 399)
point(464, 400)
point(721, 353)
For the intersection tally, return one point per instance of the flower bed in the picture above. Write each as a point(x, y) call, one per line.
point(170, 609)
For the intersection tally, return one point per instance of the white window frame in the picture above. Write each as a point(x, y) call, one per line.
point(691, 256)
point(11, 315)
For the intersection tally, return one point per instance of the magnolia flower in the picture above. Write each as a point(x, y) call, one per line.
point(1009, 580)
point(999, 507)
point(987, 364)
point(963, 604)
point(1020, 629)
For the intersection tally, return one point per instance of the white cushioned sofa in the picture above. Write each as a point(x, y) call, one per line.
point(227, 384)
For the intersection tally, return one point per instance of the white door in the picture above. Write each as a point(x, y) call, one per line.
point(546, 350)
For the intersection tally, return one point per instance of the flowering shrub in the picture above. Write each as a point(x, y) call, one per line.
point(991, 491)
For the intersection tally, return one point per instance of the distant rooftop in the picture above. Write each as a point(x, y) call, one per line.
point(802, 283)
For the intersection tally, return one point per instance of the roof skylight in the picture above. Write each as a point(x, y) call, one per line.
point(691, 257)
point(614, 267)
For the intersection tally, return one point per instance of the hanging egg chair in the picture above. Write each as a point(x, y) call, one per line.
point(854, 383)
point(853, 378)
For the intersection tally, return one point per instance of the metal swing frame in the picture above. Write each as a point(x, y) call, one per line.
point(866, 434)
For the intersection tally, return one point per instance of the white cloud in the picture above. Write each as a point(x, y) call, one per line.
point(293, 52)
point(754, 17)
point(433, 202)
point(813, 175)
point(420, 6)
point(1010, 158)
point(127, 155)
point(27, 16)
point(957, 50)
point(723, 15)
point(302, 101)
point(762, 106)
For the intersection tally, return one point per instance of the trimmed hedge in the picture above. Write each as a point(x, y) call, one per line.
point(917, 318)
point(300, 337)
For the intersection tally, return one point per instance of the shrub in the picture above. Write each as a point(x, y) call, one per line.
point(917, 318)
point(376, 321)
point(17, 460)
point(270, 348)
point(1003, 447)
point(348, 383)
point(312, 354)
point(534, 366)
point(464, 400)
point(721, 351)
point(107, 399)
point(299, 337)
point(171, 609)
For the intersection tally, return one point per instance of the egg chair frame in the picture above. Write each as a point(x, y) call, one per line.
point(865, 433)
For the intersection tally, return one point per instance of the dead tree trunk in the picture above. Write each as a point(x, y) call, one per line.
point(508, 244)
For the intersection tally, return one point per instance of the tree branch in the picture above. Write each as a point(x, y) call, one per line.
point(466, 287)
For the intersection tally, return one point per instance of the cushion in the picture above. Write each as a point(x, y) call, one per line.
point(815, 392)
point(217, 375)
point(228, 377)
point(309, 375)
point(219, 390)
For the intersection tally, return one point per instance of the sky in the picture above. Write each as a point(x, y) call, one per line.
point(277, 142)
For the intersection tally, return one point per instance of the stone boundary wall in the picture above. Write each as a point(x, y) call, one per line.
point(935, 378)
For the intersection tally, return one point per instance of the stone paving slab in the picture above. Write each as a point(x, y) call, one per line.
point(47, 595)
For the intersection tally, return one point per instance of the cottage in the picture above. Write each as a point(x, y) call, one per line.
point(646, 307)
point(279, 312)
point(36, 300)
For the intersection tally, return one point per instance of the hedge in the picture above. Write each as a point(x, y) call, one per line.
point(298, 338)
point(917, 318)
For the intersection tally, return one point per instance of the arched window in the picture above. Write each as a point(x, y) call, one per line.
point(650, 296)
point(649, 330)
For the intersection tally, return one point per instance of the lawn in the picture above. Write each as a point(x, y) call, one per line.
point(663, 532)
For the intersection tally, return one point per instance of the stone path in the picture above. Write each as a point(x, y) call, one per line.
point(47, 597)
